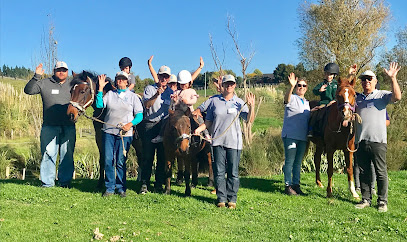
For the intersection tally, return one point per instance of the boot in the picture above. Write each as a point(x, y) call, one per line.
point(297, 189)
point(290, 191)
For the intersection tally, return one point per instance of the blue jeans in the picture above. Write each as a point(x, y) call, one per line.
point(226, 160)
point(114, 152)
point(56, 139)
point(294, 152)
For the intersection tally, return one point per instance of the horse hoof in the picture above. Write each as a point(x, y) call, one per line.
point(167, 192)
point(319, 184)
point(187, 193)
point(213, 191)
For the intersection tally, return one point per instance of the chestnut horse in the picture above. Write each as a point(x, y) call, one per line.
point(180, 144)
point(339, 133)
point(83, 94)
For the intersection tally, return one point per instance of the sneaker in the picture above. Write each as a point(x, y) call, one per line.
point(157, 139)
point(143, 189)
point(382, 207)
point(231, 205)
point(297, 189)
point(221, 205)
point(107, 194)
point(122, 194)
point(290, 191)
point(362, 204)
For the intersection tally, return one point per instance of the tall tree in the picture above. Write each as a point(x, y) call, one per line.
point(341, 31)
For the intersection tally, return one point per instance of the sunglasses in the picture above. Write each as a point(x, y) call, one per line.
point(164, 76)
point(301, 85)
point(366, 78)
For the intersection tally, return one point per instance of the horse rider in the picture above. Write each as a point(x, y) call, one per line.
point(125, 65)
point(58, 134)
point(326, 90)
point(371, 135)
point(123, 108)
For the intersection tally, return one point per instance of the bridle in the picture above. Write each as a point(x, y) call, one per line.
point(77, 105)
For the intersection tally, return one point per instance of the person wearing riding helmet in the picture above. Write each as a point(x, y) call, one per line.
point(123, 111)
point(326, 90)
point(194, 74)
point(185, 94)
point(125, 65)
point(173, 82)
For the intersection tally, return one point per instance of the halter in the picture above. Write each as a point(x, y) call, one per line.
point(82, 108)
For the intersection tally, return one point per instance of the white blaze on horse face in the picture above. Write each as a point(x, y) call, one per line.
point(346, 95)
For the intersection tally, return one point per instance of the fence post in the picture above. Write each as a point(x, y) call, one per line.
point(74, 175)
point(23, 178)
point(7, 172)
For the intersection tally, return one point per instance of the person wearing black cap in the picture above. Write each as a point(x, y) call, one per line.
point(125, 65)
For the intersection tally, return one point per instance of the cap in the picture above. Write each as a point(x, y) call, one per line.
point(122, 73)
point(164, 70)
point(184, 77)
point(368, 73)
point(61, 64)
point(173, 79)
point(228, 78)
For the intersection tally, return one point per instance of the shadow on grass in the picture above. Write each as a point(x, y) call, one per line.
point(262, 184)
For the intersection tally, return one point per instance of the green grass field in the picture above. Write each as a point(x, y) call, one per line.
point(31, 213)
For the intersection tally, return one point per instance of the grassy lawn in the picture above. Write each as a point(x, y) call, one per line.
point(29, 212)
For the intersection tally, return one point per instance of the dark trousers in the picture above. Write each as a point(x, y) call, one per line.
point(372, 152)
point(151, 130)
point(356, 174)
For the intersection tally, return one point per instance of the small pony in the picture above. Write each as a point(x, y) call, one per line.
point(179, 142)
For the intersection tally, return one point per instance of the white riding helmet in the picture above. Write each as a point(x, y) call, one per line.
point(173, 78)
point(184, 77)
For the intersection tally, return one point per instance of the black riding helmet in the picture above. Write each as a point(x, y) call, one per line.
point(124, 62)
point(332, 68)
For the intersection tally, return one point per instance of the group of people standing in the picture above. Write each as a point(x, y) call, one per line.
point(371, 134)
point(122, 107)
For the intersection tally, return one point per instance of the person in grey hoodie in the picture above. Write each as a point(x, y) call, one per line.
point(58, 132)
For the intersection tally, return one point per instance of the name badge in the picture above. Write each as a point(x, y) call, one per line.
point(167, 102)
point(370, 105)
point(54, 91)
point(232, 110)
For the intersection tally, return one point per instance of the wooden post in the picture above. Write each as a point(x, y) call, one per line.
point(74, 175)
point(23, 178)
point(7, 172)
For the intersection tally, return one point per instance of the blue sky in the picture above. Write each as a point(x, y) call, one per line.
point(94, 35)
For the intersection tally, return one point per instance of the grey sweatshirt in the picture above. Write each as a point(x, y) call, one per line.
point(55, 99)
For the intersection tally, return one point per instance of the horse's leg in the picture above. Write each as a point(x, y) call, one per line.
point(99, 142)
point(137, 145)
point(187, 174)
point(209, 157)
point(168, 173)
point(194, 166)
point(330, 158)
point(180, 172)
point(317, 163)
point(349, 170)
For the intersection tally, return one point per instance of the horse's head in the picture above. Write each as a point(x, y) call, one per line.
point(82, 94)
point(346, 97)
point(180, 124)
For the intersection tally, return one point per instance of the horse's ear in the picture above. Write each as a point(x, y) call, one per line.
point(74, 74)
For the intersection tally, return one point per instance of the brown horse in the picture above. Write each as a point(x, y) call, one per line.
point(339, 133)
point(178, 143)
point(83, 94)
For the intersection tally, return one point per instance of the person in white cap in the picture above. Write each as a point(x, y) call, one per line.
point(228, 142)
point(371, 135)
point(124, 109)
point(58, 133)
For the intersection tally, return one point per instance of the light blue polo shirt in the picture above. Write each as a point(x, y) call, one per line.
point(161, 105)
point(120, 108)
point(221, 113)
point(372, 110)
point(296, 117)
